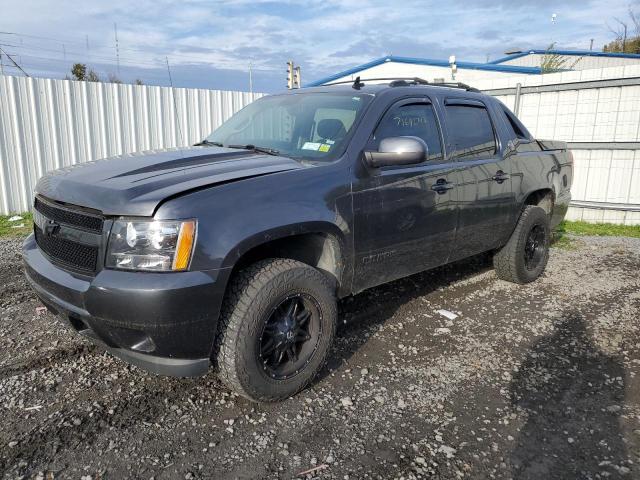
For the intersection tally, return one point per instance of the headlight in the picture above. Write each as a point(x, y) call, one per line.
point(157, 245)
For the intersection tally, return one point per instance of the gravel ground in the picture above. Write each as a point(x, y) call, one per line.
point(532, 382)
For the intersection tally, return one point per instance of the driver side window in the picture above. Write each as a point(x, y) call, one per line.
point(414, 120)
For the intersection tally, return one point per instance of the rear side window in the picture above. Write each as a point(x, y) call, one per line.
point(471, 131)
point(414, 120)
point(518, 129)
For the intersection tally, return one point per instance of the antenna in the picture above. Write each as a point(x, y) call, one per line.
point(175, 105)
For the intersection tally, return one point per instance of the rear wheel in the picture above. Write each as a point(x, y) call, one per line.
point(524, 257)
point(276, 327)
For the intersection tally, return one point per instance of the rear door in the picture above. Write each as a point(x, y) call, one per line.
point(404, 216)
point(485, 198)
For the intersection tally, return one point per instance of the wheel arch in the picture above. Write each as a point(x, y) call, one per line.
point(542, 197)
point(318, 244)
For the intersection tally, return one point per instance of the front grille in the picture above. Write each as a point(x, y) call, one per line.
point(71, 254)
point(69, 217)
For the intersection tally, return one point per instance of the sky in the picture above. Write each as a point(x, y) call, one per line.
point(210, 44)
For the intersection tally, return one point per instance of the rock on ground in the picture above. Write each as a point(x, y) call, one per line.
point(528, 382)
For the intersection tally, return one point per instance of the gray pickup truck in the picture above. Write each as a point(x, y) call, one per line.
point(235, 251)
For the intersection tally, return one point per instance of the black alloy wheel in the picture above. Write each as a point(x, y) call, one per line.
point(535, 247)
point(290, 336)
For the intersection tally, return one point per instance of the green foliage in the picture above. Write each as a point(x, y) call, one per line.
point(16, 228)
point(79, 71)
point(599, 229)
point(93, 77)
point(554, 62)
point(565, 235)
point(632, 45)
point(627, 34)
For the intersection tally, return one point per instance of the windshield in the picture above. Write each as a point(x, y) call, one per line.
point(312, 126)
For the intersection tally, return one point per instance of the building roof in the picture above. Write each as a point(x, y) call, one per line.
point(581, 53)
point(425, 61)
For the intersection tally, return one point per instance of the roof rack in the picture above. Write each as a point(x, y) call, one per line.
point(358, 83)
point(464, 86)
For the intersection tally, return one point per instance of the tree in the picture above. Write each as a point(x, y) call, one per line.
point(79, 71)
point(93, 77)
point(554, 62)
point(627, 35)
point(139, 82)
point(114, 79)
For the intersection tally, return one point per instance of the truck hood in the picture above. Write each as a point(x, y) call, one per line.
point(135, 184)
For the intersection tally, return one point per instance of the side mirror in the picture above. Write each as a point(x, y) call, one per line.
point(397, 151)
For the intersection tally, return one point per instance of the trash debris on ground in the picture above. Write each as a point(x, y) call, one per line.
point(35, 407)
point(40, 310)
point(15, 218)
point(448, 314)
point(314, 469)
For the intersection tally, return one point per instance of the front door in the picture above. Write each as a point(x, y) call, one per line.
point(404, 216)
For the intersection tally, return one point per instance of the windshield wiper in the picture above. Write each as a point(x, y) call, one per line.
point(207, 143)
point(255, 148)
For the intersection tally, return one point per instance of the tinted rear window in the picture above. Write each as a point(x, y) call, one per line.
point(471, 131)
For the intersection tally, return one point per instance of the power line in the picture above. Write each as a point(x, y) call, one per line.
point(14, 62)
point(142, 49)
point(108, 59)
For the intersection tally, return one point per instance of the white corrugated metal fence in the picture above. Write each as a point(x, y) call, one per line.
point(600, 119)
point(47, 124)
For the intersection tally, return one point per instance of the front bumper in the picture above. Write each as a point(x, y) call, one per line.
point(162, 322)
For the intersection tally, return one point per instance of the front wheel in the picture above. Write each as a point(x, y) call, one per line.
point(277, 324)
point(524, 257)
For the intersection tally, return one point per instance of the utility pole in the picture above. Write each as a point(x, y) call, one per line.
point(297, 78)
point(250, 78)
point(1, 65)
point(115, 29)
point(64, 52)
point(294, 76)
point(290, 74)
point(591, 45)
point(88, 54)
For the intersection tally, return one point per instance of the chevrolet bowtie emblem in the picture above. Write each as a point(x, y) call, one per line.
point(50, 228)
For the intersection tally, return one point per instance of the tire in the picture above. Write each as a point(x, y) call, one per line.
point(269, 310)
point(521, 261)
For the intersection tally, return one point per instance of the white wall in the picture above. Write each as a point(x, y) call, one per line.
point(427, 72)
point(606, 114)
point(585, 62)
point(47, 124)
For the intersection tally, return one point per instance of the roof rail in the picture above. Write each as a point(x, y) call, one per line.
point(464, 86)
point(404, 82)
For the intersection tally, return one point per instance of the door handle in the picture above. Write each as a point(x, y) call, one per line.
point(441, 186)
point(500, 176)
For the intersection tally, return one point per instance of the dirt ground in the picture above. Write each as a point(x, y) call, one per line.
point(528, 382)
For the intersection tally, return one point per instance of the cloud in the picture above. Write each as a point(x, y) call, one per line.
point(210, 44)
